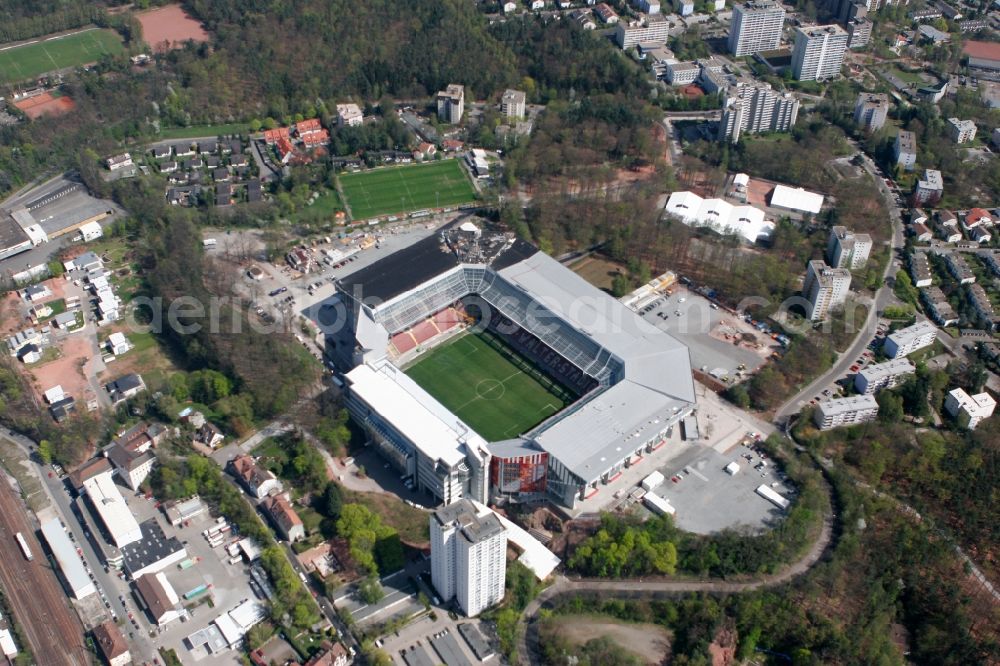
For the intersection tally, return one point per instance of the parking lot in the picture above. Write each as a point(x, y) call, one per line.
point(441, 640)
point(703, 328)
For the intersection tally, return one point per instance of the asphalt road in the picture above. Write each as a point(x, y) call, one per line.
point(883, 297)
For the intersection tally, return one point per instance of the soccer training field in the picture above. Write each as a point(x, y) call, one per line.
point(30, 60)
point(485, 387)
point(405, 188)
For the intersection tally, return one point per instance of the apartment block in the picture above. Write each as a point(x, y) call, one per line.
point(880, 376)
point(819, 52)
point(980, 301)
point(756, 107)
point(969, 410)
point(451, 103)
point(905, 150)
point(871, 111)
point(512, 104)
point(468, 555)
point(655, 29)
point(825, 288)
point(961, 131)
point(907, 340)
point(859, 33)
point(959, 268)
point(920, 270)
point(756, 26)
point(682, 73)
point(846, 411)
point(846, 249)
point(930, 188)
point(992, 261)
point(349, 115)
point(937, 307)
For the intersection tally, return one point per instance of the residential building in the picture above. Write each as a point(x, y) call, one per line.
point(928, 14)
point(451, 103)
point(512, 104)
point(468, 555)
point(981, 305)
point(825, 288)
point(818, 52)
point(921, 233)
point(959, 268)
point(859, 33)
point(973, 25)
point(992, 261)
point(118, 344)
point(29, 353)
point(648, 6)
point(142, 437)
point(111, 644)
point(880, 376)
point(907, 340)
point(937, 307)
point(116, 162)
point(920, 270)
point(682, 73)
point(331, 655)
point(871, 111)
point(162, 152)
point(159, 599)
point(284, 517)
point(124, 388)
point(132, 467)
point(905, 150)
point(846, 411)
point(655, 29)
point(685, 7)
point(756, 26)
point(37, 292)
point(258, 481)
point(961, 131)
point(969, 410)
point(755, 107)
point(930, 188)
point(605, 13)
point(977, 217)
point(208, 434)
point(846, 249)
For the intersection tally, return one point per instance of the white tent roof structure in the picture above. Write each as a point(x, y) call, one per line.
point(795, 198)
point(724, 217)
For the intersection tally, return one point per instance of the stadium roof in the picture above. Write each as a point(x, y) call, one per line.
point(69, 562)
point(795, 198)
point(401, 271)
point(112, 509)
point(434, 430)
point(657, 382)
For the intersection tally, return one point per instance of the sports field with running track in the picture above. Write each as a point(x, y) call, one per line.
point(400, 189)
point(28, 61)
point(494, 390)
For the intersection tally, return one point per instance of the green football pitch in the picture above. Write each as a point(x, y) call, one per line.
point(495, 391)
point(28, 61)
point(402, 189)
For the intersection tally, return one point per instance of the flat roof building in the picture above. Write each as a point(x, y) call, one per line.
point(905, 149)
point(451, 103)
point(655, 29)
point(969, 410)
point(468, 556)
point(907, 340)
point(846, 411)
point(846, 249)
point(920, 270)
point(937, 307)
point(796, 198)
point(930, 188)
point(959, 268)
point(819, 52)
point(756, 26)
point(961, 131)
point(110, 506)
point(880, 376)
point(512, 104)
point(755, 107)
point(825, 288)
point(74, 573)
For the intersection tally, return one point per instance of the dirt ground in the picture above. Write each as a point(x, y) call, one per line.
point(597, 271)
point(45, 104)
point(11, 318)
point(67, 370)
point(169, 27)
point(648, 641)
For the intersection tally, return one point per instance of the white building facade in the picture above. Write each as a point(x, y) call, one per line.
point(468, 556)
point(756, 27)
point(819, 52)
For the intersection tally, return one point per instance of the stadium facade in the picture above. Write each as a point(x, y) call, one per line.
point(633, 380)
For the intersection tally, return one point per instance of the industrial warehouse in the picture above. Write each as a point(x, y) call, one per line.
point(574, 386)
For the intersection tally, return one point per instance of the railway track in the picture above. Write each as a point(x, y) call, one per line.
point(33, 593)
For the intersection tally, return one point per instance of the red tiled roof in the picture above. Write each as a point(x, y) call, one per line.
point(306, 126)
point(977, 214)
point(284, 146)
point(316, 137)
point(273, 135)
point(984, 50)
point(282, 512)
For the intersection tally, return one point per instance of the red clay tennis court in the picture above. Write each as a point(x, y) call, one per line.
point(45, 104)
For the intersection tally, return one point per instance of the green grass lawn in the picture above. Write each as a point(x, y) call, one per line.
point(485, 388)
point(32, 60)
point(405, 188)
point(202, 131)
point(322, 209)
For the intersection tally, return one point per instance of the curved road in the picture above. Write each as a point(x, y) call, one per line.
point(643, 588)
point(882, 298)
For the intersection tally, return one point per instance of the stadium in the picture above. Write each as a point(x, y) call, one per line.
point(480, 367)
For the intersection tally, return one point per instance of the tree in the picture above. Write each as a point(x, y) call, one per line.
point(890, 407)
point(45, 451)
point(333, 501)
point(370, 590)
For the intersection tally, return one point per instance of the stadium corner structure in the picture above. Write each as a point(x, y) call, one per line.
point(633, 381)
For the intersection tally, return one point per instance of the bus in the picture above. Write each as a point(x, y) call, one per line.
point(24, 547)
